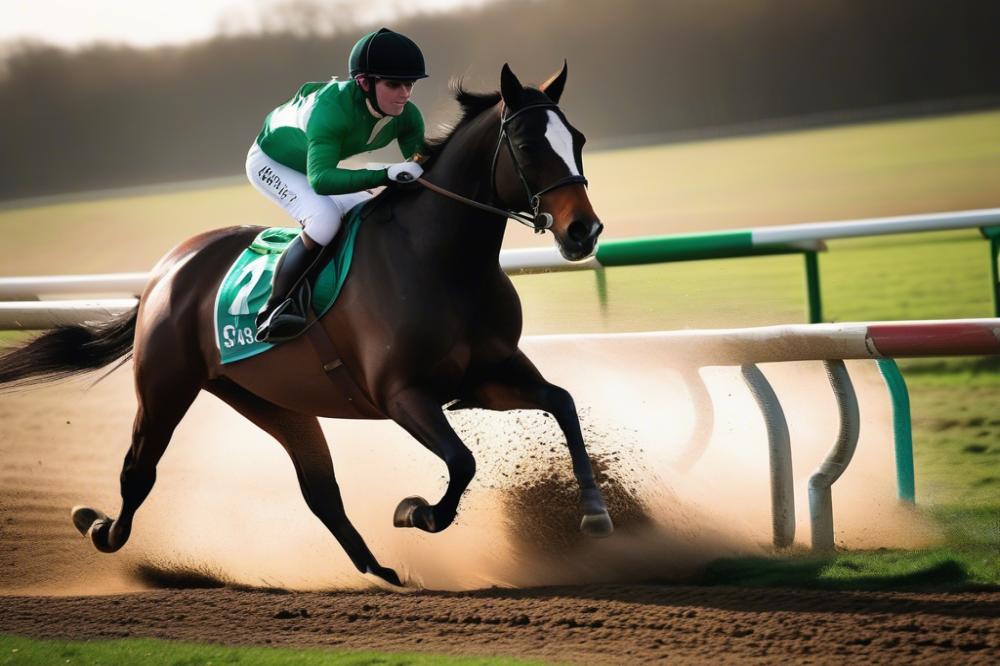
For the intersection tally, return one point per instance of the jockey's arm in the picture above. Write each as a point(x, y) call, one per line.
point(327, 178)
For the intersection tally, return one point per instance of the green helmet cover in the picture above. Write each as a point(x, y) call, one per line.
point(387, 55)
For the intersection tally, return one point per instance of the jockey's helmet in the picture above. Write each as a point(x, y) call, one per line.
point(385, 54)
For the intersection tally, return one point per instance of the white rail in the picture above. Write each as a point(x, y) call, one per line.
point(877, 226)
point(38, 315)
point(29, 288)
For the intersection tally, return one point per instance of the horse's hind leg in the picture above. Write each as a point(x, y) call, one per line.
point(519, 385)
point(303, 440)
point(164, 393)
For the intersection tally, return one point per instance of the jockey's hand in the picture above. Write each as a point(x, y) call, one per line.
point(404, 172)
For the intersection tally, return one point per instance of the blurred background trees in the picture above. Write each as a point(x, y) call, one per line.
point(640, 72)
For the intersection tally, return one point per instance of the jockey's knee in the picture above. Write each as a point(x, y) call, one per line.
point(322, 228)
point(328, 213)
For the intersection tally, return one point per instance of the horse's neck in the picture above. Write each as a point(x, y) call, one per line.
point(465, 167)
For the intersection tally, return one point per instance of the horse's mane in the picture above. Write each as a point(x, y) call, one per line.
point(473, 104)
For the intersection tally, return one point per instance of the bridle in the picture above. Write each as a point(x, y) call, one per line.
point(536, 220)
point(540, 221)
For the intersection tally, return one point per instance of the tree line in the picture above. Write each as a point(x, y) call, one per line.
point(108, 116)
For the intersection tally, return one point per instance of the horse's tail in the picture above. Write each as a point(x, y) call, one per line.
point(66, 351)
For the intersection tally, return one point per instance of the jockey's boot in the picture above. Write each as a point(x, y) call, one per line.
point(287, 310)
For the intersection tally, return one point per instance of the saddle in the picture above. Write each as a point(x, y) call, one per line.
point(247, 284)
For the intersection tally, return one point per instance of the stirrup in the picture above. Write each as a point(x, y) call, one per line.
point(289, 319)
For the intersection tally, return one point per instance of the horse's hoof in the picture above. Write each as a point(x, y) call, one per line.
point(385, 578)
point(96, 525)
point(597, 525)
point(100, 535)
point(414, 512)
point(84, 517)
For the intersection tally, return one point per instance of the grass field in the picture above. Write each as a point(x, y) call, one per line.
point(18, 651)
point(936, 164)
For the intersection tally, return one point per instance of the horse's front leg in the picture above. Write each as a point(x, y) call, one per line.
point(422, 416)
point(517, 384)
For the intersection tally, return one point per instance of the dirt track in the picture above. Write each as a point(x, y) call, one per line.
point(63, 445)
point(609, 624)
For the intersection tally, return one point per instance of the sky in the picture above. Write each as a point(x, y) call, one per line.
point(73, 23)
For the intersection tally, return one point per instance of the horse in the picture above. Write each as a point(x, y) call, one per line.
point(426, 319)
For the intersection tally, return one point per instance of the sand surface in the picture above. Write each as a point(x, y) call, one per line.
point(592, 624)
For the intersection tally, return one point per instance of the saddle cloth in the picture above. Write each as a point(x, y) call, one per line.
point(247, 285)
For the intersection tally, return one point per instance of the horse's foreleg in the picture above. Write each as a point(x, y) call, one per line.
point(518, 385)
point(303, 440)
point(421, 416)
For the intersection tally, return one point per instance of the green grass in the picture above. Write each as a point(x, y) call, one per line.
point(968, 560)
point(956, 423)
point(913, 166)
point(936, 569)
point(934, 164)
point(918, 166)
point(16, 650)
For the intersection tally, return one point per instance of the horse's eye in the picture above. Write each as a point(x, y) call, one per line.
point(527, 147)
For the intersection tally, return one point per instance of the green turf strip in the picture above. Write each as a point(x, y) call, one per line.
point(19, 650)
point(970, 560)
point(939, 569)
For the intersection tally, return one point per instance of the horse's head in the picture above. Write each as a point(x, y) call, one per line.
point(539, 161)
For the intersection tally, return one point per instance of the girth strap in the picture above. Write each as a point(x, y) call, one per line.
point(323, 346)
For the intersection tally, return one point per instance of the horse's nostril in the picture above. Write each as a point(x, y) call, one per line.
point(580, 231)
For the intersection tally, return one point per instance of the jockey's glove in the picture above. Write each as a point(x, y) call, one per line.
point(404, 172)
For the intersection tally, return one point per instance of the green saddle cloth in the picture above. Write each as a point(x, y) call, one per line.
point(247, 286)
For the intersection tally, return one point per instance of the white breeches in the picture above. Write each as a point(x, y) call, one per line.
point(318, 214)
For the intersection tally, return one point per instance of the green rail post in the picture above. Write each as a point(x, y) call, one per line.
point(901, 430)
point(812, 287)
point(995, 256)
point(602, 290)
point(992, 234)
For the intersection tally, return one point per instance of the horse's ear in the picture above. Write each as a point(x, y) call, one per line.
point(510, 88)
point(554, 86)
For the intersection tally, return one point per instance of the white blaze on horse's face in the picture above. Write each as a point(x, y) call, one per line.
point(561, 140)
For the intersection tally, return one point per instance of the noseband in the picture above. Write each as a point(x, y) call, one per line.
point(539, 221)
point(536, 220)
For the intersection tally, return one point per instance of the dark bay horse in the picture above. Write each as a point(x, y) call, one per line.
point(427, 317)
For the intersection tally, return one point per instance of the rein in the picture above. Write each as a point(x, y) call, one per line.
point(536, 220)
point(520, 217)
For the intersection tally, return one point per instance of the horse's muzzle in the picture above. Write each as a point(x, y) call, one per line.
point(580, 239)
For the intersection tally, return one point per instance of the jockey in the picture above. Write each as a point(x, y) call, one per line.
point(294, 161)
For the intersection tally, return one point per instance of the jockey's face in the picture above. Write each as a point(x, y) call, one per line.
point(392, 95)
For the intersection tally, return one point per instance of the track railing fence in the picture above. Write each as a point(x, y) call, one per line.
point(832, 344)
